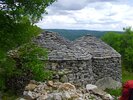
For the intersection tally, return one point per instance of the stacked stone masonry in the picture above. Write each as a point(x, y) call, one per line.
point(83, 61)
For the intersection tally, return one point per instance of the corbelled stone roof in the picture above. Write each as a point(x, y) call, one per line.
point(96, 47)
point(83, 48)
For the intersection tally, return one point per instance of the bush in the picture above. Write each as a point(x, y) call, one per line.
point(23, 64)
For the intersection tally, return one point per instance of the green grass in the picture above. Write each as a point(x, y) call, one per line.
point(126, 76)
point(114, 92)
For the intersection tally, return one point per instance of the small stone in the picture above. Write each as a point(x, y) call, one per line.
point(56, 85)
point(90, 87)
point(50, 83)
point(107, 97)
point(66, 95)
point(42, 97)
point(57, 96)
point(28, 95)
point(99, 92)
point(108, 83)
point(43, 92)
point(50, 97)
point(74, 95)
point(79, 98)
point(67, 86)
point(18, 99)
point(33, 82)
point(64, 78)
point(54, 65)
point(30, 87)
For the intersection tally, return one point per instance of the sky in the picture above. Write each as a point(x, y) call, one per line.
point(89, 15)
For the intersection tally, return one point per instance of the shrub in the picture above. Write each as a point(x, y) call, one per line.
point(27, 62)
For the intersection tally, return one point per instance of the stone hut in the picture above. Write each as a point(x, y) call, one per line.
point(85, 60)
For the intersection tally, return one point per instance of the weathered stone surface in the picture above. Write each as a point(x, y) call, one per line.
point(30, 95)
point(66, 95)
point(102, 94)
point(30, 87)
point(108, 97)
point(64, 78)
point(65, 91)
point(99, 92)
point(42, 97)
point(90, 87)
point(18, 99)
point(67, 86)
point(57, 96)
point(50, 83)
point(109, 83)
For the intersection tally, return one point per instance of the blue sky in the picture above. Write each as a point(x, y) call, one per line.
point(89, 15)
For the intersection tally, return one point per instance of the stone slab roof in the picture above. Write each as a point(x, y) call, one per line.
point(96, 47)
point(83, 48)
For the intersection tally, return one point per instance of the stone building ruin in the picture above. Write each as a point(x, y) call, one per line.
point(85, 60)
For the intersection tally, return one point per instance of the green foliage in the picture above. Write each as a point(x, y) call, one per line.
point(32, 58)
point(32, 9)
point(13, 35)
point(17, 18)
point(27, 59)
point(113, 39)
point(123, 43)
point(9, 96)
point(16, 21)
point(126, 75)
point(114, 92)
point(7, 69)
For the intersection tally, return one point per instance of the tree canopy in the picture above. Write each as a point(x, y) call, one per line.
point(123, 43)
point(17, 18)
point(18, 9)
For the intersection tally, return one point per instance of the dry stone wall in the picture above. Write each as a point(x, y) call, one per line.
point(85, 60)
point(107, 67)
point(77, 72)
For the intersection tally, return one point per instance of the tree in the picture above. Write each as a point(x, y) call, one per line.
point(113, 39)
point(31, 9)
point(17, 18)
point(123, 43)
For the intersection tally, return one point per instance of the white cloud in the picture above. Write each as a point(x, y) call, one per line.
point(72, 14)
point(70, 4)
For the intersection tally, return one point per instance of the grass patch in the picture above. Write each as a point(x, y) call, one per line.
point(126, 76)
point(114, 92)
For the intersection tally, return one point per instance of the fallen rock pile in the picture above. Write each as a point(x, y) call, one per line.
point(62, 91)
